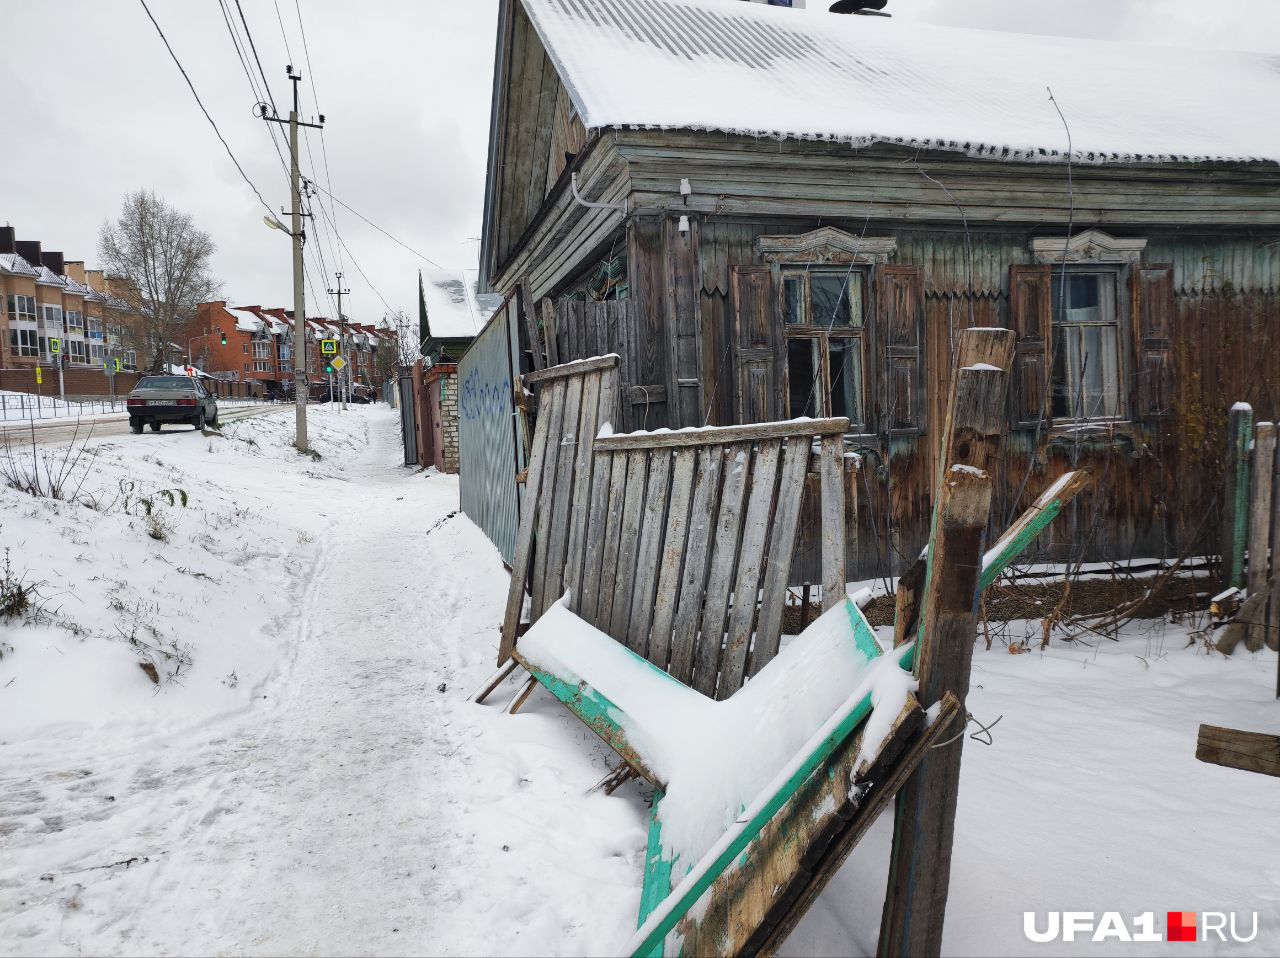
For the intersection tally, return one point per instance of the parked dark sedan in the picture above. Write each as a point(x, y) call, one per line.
point(160, 399)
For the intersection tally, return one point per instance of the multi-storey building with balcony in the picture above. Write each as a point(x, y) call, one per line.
point(254, 344)
point(51, 303)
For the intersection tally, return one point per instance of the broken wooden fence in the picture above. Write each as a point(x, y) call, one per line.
point(575, 400)
point(1251, 531)
point(690, 537)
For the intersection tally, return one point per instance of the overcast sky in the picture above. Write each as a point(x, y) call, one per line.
point(94, 107)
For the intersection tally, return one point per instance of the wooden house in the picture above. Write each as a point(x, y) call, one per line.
point(771, 213)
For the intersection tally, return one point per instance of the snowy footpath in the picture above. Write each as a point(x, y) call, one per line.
point(308, 776)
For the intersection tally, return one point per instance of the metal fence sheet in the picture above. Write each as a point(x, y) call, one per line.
point(490, 438)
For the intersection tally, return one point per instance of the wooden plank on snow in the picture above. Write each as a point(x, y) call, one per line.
point(1232, 748)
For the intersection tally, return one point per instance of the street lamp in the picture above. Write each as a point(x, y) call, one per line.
point(203, 335)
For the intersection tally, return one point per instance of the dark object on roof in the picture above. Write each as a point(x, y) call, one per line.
point(857, 6)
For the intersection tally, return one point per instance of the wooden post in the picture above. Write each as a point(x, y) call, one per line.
point(1235, 494)
point(920, 865)
point(1264, 457)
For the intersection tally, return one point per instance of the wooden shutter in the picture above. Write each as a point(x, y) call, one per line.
point(757, 347)
point(1152, 288)
point(1030, 311)
point(900, 318)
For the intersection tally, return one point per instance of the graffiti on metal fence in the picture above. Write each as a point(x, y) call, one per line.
point(484, 398)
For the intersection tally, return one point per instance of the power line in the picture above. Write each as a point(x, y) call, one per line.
point(253, 85)
point(315, 99)
point(378, 228)
point(283, 35)
point(200, 103)
point(254, 47)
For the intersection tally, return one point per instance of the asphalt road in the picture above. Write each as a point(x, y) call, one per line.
point(61, 430)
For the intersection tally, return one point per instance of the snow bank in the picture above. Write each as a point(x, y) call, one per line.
point(128, 574)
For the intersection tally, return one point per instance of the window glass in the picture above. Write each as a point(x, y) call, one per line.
point(793, 305)
point(846, 379)
point(1086, 350)
point(803, 369)
point(837, 299)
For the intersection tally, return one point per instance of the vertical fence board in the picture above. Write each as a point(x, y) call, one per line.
point(693, 577)
point(724, 554)
point(675, 545)
point(764, 481)
point(656, 497)
point(782, 537)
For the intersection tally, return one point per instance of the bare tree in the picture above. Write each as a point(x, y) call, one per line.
point(158, 262)
point(408, 345)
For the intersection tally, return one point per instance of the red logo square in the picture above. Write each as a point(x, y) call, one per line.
point(1180, 926)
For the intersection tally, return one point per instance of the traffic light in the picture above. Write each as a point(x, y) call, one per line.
point(224, 337)
point(328, 367)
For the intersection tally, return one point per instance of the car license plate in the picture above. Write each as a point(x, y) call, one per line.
point(159, 402)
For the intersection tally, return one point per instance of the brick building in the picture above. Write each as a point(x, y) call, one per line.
point(47, 297)
point(258, 347)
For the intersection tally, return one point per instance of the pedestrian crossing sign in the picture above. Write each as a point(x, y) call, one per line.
point(329, 346)
point(338, 363)
point(55, 345)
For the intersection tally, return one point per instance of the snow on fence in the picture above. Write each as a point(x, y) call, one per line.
point(1251, 533)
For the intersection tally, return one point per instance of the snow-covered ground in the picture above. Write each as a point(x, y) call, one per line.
point(23, 407)
point(316, 780)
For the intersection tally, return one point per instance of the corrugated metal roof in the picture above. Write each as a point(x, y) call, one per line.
point(744, 68)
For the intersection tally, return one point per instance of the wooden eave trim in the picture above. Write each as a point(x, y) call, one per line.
point(552, 200)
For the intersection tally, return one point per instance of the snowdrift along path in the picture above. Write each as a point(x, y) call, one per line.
point(358, 805)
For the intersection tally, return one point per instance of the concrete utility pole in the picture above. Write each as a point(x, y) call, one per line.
point(299, 238)
point(344, 375)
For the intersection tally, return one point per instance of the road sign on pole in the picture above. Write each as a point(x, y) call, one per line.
point(329, 346)
point(55, 345)
point(39, 376)
point(338, 363)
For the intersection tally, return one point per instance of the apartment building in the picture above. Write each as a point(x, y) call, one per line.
point(254, 344)
point(48, 298)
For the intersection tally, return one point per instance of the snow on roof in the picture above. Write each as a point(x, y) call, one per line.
point(753, 69)
point(49, 278)
point(13, 263)
point(454, 311)
point(78, 288)
point(247, 319)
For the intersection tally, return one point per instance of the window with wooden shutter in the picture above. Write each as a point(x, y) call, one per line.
point(1030, 308)
point(1152, 288)
point(900, 310)
point(757, 344)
